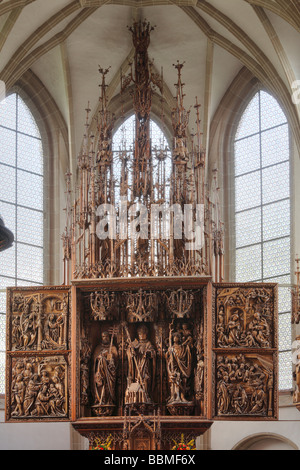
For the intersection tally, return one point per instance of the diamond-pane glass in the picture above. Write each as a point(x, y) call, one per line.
point(276, 220)
point(276, 257)
point(8, 146)
point(247, 155)
point(248, 191)
point(21, 176)
point(248, 227)
point(2, 302)
point(262, 205)
point(248, 264)
point(8, 184)
point(275, 145)
point(26, 122)
point(8, 112)
point(33, 270)
point(285, 371)
point(8, 263)
point(2, 332)
point(271, 112)
point(8, 214)
point(29, 154)
point(2, 373)
point(30, 190)
point(276, 183)
point(30, 226)
point(284, 293)
point(249, 123)
point(285, 332)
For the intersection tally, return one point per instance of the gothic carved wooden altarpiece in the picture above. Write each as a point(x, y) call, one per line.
point(196, 353)
point(144, 342)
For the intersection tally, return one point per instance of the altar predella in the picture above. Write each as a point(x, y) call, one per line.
point(144, 342)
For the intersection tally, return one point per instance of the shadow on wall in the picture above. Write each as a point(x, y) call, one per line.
point(266, 441)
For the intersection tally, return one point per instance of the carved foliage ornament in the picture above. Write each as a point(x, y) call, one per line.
point(102, 305)
point(180, 303)
point(141, 306)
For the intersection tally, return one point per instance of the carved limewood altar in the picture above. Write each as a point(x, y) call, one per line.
point(142, 360)
point(38, 354)
point(147, 343)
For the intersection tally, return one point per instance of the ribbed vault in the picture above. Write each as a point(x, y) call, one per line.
point(62, 42)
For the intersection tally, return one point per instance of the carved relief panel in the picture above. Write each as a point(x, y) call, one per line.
point(38, 320)
point(37, 372)
point(39, 388)
point(245, 336)
point(245, 317)
point(142, 350)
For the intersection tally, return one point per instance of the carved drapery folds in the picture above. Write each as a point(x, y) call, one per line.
point(39, 388)
point(140, 349)
point(153, 356)
point(244, 318)
point(37, 354)
point(39, 321)
point(245, 385)
point(246, 356)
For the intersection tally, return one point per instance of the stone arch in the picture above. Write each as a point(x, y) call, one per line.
point(265, 441)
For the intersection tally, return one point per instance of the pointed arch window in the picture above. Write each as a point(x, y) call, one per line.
point(21, 203)
point(262, 209)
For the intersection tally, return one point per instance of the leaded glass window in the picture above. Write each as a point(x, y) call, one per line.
point(21, 203)
point(262, 210)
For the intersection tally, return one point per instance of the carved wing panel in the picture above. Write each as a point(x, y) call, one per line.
point(38, 357)
point(245, 337)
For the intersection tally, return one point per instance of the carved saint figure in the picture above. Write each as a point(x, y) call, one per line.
point(179, 365)
point(19, 390)
point(37, 391)
point(105, 359)
point(259, 330)
point(142, 362)
point(234, 328)
point(31, 394)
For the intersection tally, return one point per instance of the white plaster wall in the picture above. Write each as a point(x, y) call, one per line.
point(51, 436)
point(227, 435)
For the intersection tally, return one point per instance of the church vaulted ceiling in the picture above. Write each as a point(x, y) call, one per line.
point(62, 42)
